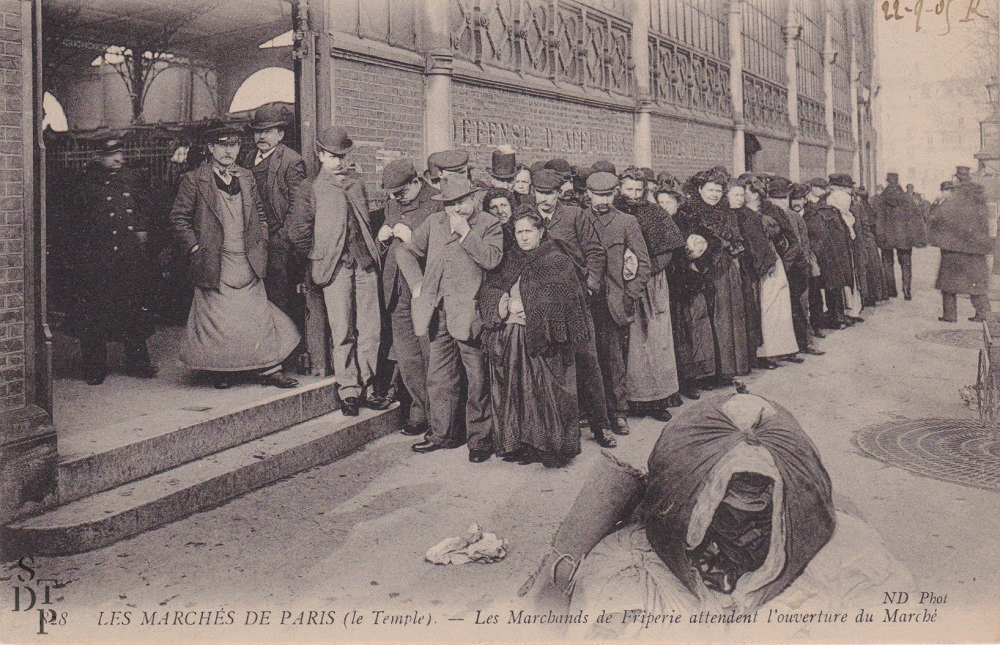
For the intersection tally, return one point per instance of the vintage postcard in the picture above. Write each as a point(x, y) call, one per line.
point(499, 321)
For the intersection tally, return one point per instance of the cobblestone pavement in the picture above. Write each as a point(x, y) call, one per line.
point(351, 535)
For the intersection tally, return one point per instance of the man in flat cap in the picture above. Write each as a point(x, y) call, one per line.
point(459, 245)
point(898, 228)
point(330, 222)
point(625, 279)
point(567, 195)
point(109, 264)
point(278, 171)
point(408, 206)
point(574, 233)
point(959, 226)
point(799, 272)
point(219, 223)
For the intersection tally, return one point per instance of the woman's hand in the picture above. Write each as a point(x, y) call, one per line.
point(504, 307)
point(384, 234)
point(403, 232)
point(516, 308)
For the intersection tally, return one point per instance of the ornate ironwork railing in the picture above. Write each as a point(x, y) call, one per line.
point(561, 40)
point(842, 128)
point(765, 104)
point(812, 119)
point(685, 78)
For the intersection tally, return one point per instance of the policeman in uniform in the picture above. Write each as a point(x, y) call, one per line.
point(110, 266)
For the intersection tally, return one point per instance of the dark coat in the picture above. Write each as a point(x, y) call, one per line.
point(960, 222)
point(617, 232)
point(401, 271)
point(109, 267)
point(196, 219)
point(898, 222)
point(833, 251)
point(285, 172)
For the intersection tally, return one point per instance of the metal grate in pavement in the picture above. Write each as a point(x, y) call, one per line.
point(950, 450)
point(966, 338)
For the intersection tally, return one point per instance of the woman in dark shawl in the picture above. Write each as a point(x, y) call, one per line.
point(704, 215)
point(533, 308)
point(758, 261)
point(694, 346)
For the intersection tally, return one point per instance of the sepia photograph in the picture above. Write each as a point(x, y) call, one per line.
point(499, 321)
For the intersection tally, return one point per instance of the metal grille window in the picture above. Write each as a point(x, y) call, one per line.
point(763, 44)
point(811, 17)
point(699, 24)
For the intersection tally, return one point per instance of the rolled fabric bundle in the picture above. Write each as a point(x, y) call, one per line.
point(609, 497)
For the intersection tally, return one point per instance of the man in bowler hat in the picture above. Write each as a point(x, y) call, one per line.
point(278, 171)
point(330, 223)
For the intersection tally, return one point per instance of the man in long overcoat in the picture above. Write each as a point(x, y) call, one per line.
point(110, 267)
point(959, 226)
point(898, 227)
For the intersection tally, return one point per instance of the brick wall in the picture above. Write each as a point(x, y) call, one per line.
point(683, 148)
point(772, 157)
point(383, 110)
point(12, 220)
point(812, 161)
point(538, 128)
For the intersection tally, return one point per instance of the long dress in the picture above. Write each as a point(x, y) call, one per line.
point(776, 315)
point(725, 298)
point(534, 397)
point(236, 328)
point(652, 366)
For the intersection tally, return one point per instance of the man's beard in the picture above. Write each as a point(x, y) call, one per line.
point(601, 209)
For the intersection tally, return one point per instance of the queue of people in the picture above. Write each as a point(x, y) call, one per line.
point(517, 310)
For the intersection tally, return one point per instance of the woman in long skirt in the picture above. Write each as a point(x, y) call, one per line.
point(533, 307)
point(706, 216)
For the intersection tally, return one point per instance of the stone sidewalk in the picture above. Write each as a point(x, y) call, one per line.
point(351, 535)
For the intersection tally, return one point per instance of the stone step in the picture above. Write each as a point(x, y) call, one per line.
point(91, 462)
point(106, 517)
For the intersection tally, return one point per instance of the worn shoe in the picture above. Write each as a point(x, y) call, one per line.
point(141, 370)
point(792, 358)
point(278, 379)
point(947, 320)
point(817, 333)
point(376, 402)
point(222, 381)
point(674, 400)
point(96, 378)
point(479, 456)
point(350, 406)
point(812, 351)
point(426, 446)
point(977, 318)
point(411, 429)
point(621, 426)
point(691, 392)
point(765, 364)
point(907, 296)
point(604, 439)
point(661, 414)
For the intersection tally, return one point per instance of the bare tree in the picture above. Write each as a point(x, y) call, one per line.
point(984, 44)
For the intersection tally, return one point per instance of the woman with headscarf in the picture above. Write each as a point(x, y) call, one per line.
point(840, 200)
point(694, 346)
point(737, 516)
point(705, 215)
point(751, 270)
point(865, 216)
point(533, 308)
point(777, 326)
point(501, 204)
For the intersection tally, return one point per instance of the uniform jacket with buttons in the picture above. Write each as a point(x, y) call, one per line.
point(104, 231)
point(455, 269)
point(196, 219)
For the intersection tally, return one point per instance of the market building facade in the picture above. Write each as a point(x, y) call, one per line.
point(780, 86)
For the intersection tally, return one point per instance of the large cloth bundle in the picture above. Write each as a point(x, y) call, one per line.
point(690, 468)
